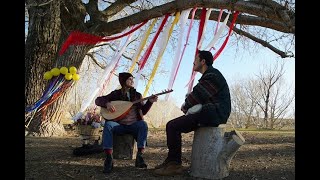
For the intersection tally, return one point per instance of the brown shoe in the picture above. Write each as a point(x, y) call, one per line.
point(165, 162)
point(170, 169)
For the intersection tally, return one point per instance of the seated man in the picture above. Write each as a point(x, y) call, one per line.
point(213, 96)
point(133, 122)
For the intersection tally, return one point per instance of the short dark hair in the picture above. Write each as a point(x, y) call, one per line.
point(206, 55)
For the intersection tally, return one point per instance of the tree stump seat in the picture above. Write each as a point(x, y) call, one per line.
point(124, 147)
point(212, 151)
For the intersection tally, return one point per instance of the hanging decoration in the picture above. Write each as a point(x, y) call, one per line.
point(108, 72)
point(219, 18)
point(113, 65)
point(177, 59)
point(60, 80)
point(217, 26)
point(218, 34)
point(107, 76)
point(215, 56)
point(147, 53)
point(235, 15)
point(142, 44)
point(204, 27)
point(64, 77)
point(201, 25)
point(163, 44)
point(81, 38)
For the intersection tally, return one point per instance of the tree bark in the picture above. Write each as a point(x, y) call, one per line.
point(40, 52)
point(212, 152)
point(124, 147)
point(44, 37)
point(41, 47)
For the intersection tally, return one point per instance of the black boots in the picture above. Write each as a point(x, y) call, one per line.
point(108, 164)
point(139, 161)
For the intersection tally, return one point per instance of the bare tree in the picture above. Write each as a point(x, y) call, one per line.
point(279, 104)
point(236, 116)
point(274, 100)
point(265, 101)
point(244, 96)
point(50, 23)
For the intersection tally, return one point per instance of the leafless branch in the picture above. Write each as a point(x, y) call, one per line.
point(95, 60)
point(262, 42)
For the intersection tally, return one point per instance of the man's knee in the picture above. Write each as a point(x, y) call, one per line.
point(170, 125)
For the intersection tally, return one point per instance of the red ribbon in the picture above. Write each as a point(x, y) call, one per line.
point(81, 38)
point(201, 25)
point(146, 55)
point(235, 15)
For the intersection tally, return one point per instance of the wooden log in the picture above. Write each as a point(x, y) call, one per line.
point(124, 147)
point(212, 151)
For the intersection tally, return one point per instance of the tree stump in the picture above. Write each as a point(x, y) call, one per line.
point(124, 147)
point(212, 151)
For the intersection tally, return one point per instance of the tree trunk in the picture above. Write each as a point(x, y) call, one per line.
point(41, 55)
point(40, 52)
point(212, 152)
point(41, 48)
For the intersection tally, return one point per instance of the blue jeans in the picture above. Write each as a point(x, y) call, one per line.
point(138, 129)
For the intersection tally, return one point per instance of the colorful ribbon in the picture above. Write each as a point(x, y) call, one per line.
point(163, 44)
point(80, 38)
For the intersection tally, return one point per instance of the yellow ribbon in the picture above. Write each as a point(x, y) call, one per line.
point(143, 42)
point(176, 19)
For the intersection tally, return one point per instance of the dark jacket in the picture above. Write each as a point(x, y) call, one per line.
point(212, 92)
point(115, 95)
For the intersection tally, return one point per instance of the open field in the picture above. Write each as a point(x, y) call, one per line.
point(265, 155)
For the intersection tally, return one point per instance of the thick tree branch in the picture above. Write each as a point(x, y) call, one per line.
point(253, 21)
point(106, 14)
point(262, 42)
point(247, 7)
point(93, 11)
point(268, 14)
point(116, 7)
point(73, 13)
point(281, 10)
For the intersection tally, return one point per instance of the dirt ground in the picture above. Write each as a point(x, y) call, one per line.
point(265, 155)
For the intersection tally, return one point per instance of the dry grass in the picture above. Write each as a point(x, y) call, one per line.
point(265, 155)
